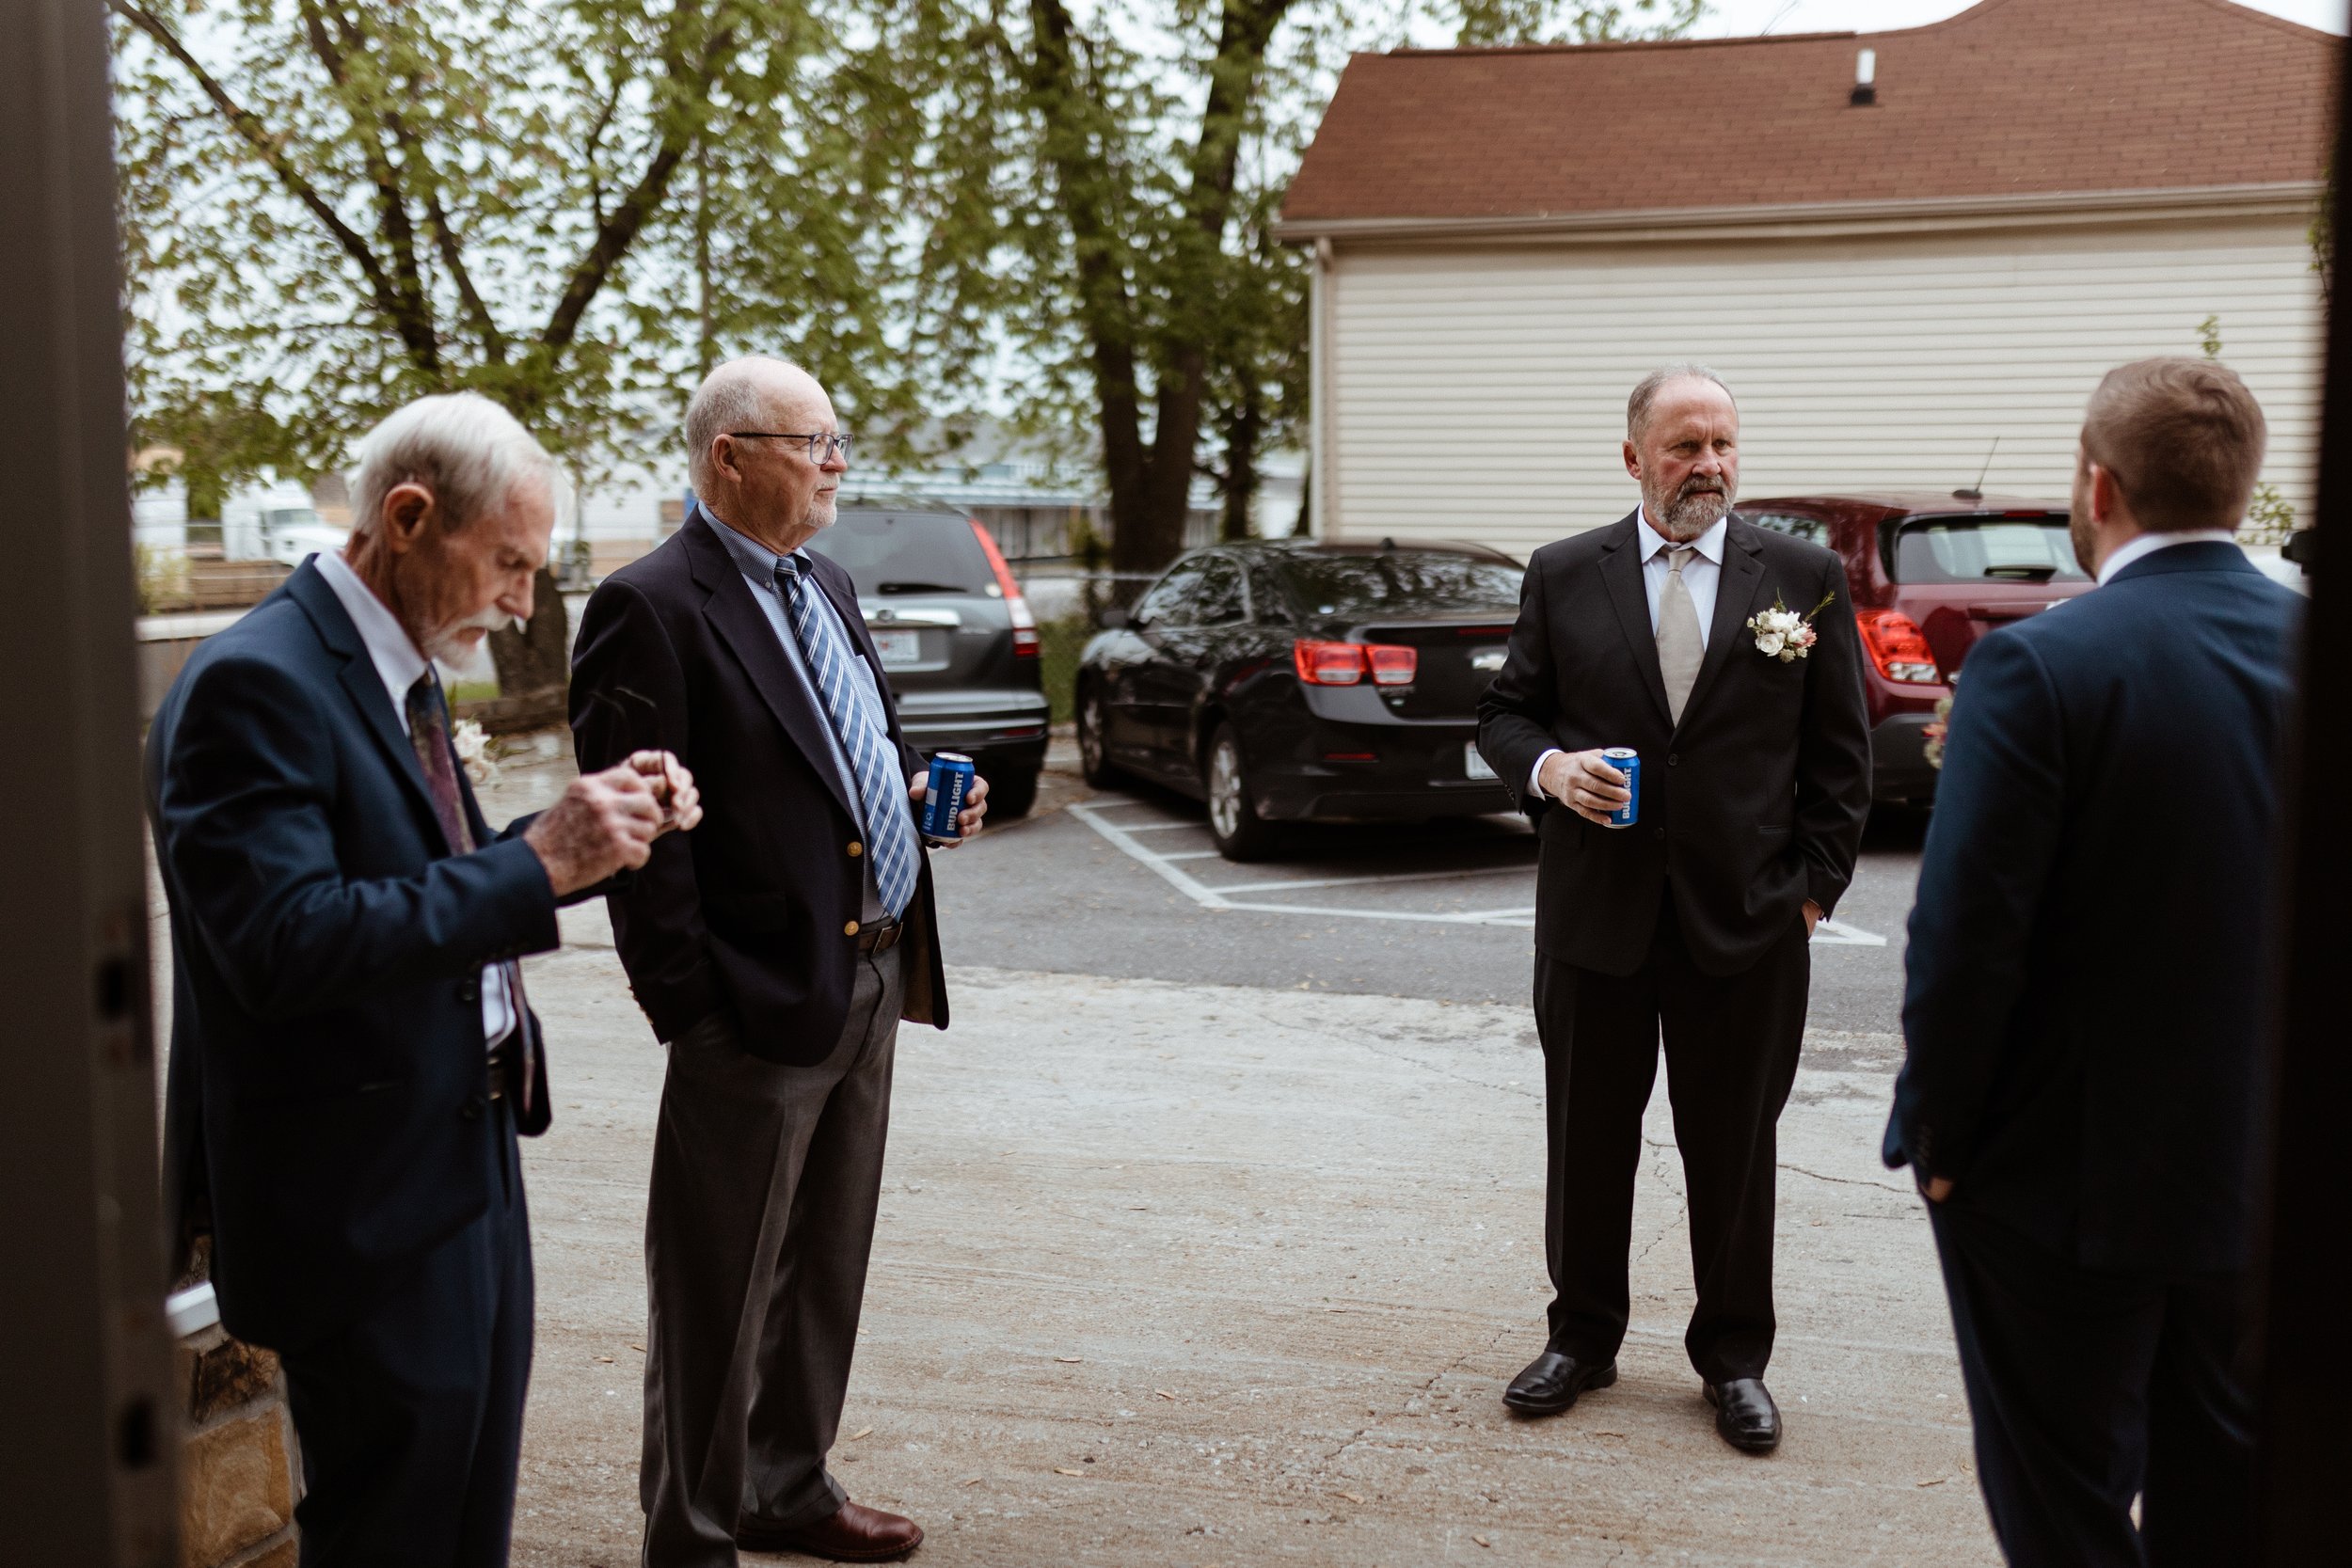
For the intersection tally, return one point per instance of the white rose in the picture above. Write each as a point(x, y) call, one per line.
point(1770, 642)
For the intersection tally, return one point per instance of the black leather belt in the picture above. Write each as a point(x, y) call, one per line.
point(498, 1070)
point(881, 937)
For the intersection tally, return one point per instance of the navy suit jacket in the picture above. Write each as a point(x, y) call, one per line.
point(2092, 945)
point(330, 1078)
point(753, 916)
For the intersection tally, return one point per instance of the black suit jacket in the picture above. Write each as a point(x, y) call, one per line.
point(328, 1075)
point(1752, 804)
point(2090, 949)
point(752, 913)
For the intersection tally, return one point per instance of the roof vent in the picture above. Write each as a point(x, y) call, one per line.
point(1865, 78)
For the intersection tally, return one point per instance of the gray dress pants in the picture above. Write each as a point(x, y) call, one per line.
point(758, 1224)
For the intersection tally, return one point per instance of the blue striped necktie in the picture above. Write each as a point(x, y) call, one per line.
point(854, 705)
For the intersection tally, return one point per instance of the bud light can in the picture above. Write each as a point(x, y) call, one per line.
point(951, 781)
point(1627, 761)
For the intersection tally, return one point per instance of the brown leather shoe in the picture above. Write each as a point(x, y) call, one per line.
point(855, 1533)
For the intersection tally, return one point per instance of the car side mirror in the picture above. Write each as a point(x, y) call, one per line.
point(1114, 619)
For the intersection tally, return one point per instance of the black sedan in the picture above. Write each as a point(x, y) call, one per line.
point(1293, 680)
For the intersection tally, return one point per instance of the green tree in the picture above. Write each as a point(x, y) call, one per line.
point(1115, 174)
point(333, 206)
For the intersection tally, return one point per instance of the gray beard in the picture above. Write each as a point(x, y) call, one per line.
point(1685, 517)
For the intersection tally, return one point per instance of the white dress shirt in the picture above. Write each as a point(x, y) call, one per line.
point(2149, 544)
point(400, 666)
point(1701, 574)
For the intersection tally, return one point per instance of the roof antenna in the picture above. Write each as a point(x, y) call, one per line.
point(1976, 492)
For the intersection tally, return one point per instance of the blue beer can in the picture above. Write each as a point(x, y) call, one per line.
point(1627, 761)
point(951, 781)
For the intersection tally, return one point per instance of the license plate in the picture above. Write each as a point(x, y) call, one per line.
point(1472, 763)
point(898, 648)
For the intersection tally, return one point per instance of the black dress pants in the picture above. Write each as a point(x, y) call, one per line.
point(1731, 1044)
point(411, 1419)
point(2087, 1387)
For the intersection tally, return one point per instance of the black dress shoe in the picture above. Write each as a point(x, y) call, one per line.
point(1745, 1414)
point(1552, 1380)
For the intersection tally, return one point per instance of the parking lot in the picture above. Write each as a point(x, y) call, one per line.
point(1125, 882)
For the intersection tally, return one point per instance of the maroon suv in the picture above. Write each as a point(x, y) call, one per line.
point(1931, 573)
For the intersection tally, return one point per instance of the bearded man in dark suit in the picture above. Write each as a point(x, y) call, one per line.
point(1695, 922)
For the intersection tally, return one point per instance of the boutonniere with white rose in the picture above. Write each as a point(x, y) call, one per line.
point(472, 744)
point(1783, 634)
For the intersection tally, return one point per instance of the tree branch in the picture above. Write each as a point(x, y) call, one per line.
point(248, 128)
point(618, 228)
point(1080, 177)
point(417, 330)
point(446, 242)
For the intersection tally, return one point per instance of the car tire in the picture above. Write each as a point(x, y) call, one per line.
point(1095, 757)
point(1240, 832)
point(1013, 793)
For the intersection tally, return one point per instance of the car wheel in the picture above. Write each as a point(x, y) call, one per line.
point(1095, 757)
point(1240, 832)
point(1011, 794)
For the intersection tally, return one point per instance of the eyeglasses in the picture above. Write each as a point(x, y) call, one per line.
point(822, 446)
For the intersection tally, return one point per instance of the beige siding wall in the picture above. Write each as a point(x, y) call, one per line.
point(1479, 393)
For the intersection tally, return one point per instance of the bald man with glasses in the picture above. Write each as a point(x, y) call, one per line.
point(775, 962)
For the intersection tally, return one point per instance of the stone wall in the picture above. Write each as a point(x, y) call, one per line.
point(238, 1475)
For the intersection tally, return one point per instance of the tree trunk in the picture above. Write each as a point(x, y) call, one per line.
point(1240, 482)
point(1150, 489)
point(536, 662)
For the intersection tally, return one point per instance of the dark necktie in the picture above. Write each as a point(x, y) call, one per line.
point(428, 732)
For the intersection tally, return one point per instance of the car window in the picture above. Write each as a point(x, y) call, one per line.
point(1794, 524)
point(1170, 602)
point(1396, 581)
point(1220, 601)
point(1265, 595)
point(2032, 548)
point(889, 553)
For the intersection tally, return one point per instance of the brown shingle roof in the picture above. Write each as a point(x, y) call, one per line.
point(2011, 96)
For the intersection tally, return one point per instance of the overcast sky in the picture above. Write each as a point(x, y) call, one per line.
point(1728, 17)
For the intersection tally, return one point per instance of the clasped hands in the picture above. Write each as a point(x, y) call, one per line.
point(1587, 784)
point(607, 822)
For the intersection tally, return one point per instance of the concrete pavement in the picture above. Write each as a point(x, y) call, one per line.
point(1183, 1274)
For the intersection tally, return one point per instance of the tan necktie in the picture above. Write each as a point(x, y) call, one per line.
point(1680, 649)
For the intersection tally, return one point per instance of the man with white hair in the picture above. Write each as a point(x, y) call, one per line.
point(774, 954)
point(1726, 656)
point(352, 1056)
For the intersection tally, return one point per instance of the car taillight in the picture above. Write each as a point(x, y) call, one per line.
point(1025, 639)
point(1392, 665)
point(1347, 663)
point(1328, 663)
point(1897, 646)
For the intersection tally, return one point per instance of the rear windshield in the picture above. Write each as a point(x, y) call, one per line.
point(894, 553)
point(1399, 582)
point(1984, 549)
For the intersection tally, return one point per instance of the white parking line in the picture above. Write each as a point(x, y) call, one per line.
point(1121, 835)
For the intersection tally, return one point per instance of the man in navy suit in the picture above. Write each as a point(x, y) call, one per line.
point(352, 1055)
point(2086, 1013)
